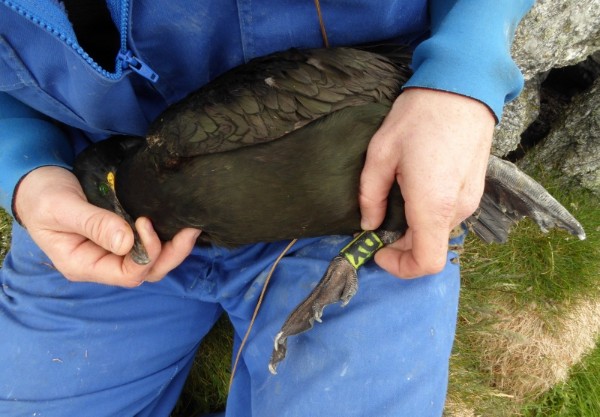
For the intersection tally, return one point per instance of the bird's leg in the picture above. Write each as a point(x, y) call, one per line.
point(339, 283)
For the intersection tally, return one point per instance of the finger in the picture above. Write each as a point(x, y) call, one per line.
point(173, 253)
point(376, 181)
point(153, 246)
point(104, 228)
point(96, 264)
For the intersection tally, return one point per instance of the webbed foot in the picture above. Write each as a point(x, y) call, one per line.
point(339, 283)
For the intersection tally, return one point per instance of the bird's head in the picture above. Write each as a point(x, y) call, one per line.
point(96, 168)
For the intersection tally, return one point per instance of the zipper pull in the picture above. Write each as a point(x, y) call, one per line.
point(137, 66)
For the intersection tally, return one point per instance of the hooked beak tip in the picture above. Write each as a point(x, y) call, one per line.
point(138, 252)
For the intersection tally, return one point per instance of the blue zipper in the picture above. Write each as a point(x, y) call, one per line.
point(137, 65)
point(125, 57)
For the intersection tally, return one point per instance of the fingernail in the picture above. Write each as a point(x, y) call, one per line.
point(194, 236)
point(117, 240)
point(365, 224)
point(147, 225)
point(144, 227)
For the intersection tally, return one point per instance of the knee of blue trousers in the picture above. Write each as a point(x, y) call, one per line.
point(385, 354)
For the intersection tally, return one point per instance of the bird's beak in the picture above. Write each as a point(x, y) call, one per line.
point(138, 251)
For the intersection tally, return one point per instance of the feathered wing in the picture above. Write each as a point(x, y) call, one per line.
point(510, 195)
point(272, 96)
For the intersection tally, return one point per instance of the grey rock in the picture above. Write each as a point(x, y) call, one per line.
point(518, 114)
point(555, 34)
point(573, 145)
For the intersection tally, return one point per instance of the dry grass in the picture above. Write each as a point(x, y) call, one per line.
point(530, 310)
point(526, 356)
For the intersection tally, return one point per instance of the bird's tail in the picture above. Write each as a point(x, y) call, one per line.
point(511, 195)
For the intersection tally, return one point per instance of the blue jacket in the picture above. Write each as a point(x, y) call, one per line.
point(171, 47)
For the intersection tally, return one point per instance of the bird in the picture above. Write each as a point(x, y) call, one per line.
point(275, 117)
point(273, 150)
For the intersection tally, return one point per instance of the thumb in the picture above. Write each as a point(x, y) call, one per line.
point(103, 227)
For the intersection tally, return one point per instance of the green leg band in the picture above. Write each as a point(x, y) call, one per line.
point(362, 248)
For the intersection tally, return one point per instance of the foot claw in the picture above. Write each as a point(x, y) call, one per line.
point(279, 351)
point(318, 313)
point(339, 283)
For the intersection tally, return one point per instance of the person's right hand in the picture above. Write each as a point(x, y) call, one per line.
point(87, 243)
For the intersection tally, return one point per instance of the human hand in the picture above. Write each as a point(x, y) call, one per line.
point(436, 145)
point(87, 243)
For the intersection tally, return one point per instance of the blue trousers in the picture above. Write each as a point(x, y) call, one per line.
point(82, 349)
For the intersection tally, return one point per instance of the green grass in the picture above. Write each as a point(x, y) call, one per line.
point(207, 386)
point(578, 397)
point(549, 268)
point(5, 234)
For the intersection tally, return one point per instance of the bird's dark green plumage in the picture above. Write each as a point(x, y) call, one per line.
point(304, 184)
point(281, 138)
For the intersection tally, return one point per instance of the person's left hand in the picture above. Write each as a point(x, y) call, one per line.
point(436, 145)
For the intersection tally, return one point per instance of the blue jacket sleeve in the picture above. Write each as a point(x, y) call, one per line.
point(27, 141)
point(468, 52)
